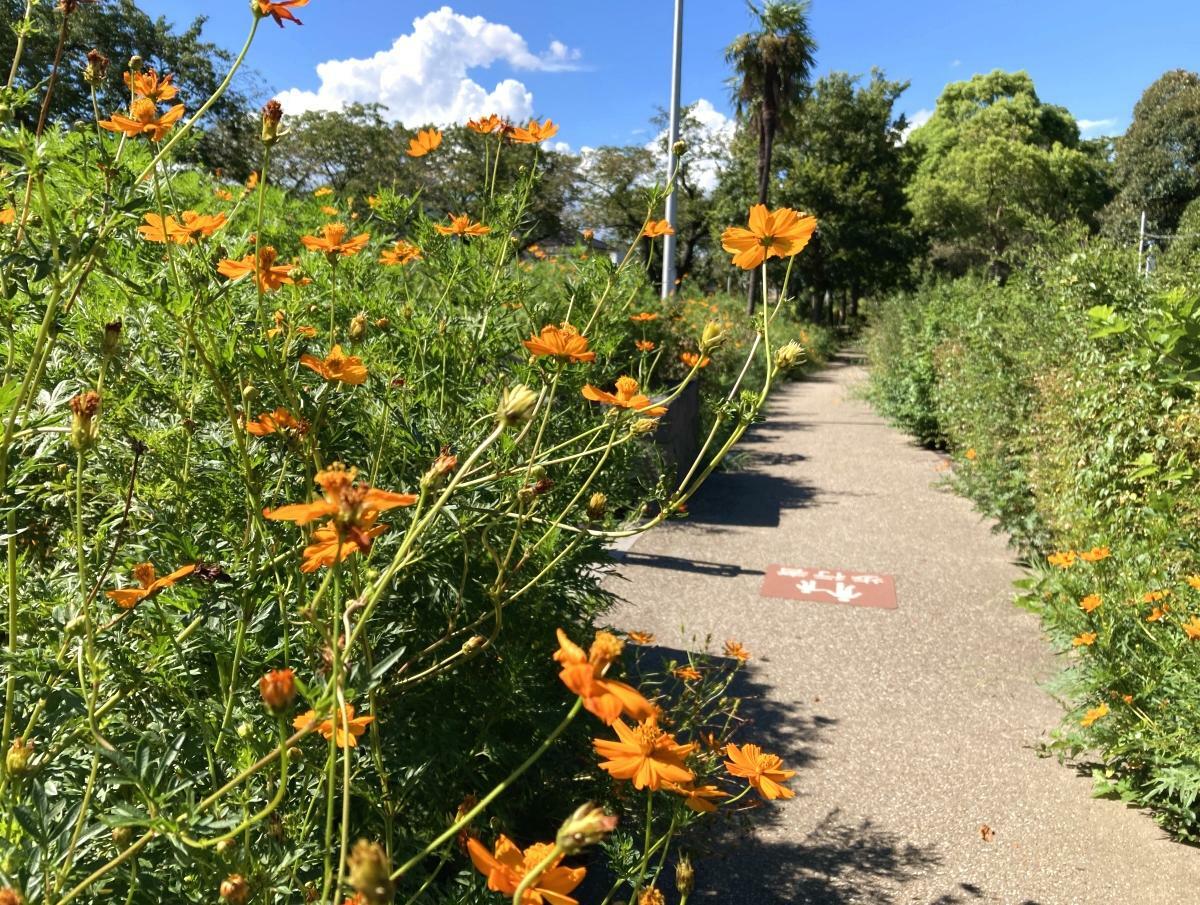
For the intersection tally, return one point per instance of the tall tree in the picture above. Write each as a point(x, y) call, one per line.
point(847, 165)
point(771, 66)
point(997, 168)
point(1157, 161)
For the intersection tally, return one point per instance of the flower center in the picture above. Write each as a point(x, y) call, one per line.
point(144, 110)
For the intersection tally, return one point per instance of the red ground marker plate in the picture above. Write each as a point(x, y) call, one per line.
point(830, 586)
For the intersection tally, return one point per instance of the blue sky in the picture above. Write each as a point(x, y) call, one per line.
point(601, 68)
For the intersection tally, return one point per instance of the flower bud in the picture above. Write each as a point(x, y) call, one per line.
point(9, 896)
point(789, 356)
point(597, 506)
point(136, 63)
point(652, 896)
point(685, 877)
point(96, 70)
point(587, 826)
point(226, 847)
point(111, 339)
point(358, 326)
point(235, 889)
point(85, 426)
point(122, 837)
point(272, 114)
point(16, 761)
point(370, 873)
point(516, 405)
point(441, 468)
point(679, 147)
point(712, 337)
point(589, 235)
point(473, 644)
point(278, 690)
point(643, 426)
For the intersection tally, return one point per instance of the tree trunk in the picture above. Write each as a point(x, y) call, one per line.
point(766, 148)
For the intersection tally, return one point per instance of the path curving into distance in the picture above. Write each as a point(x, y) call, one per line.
point(912, 727)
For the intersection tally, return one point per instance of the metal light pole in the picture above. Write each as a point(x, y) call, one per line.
point(668, 283)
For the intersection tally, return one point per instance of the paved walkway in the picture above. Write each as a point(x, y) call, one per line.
point(911, 728)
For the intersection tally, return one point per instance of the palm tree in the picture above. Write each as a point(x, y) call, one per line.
point(771, 75)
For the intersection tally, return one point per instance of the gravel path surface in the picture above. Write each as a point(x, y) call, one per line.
point(911, 728)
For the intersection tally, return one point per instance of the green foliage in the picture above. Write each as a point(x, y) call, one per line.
point(1157, 160)
point(1067, 397)
point(997, 166)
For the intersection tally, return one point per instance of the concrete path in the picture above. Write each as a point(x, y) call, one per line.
point(911, 728)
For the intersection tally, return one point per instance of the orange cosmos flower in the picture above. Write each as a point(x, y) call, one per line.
point(329, 210)
point(322, 192)
point(640, 637)
point(534, 133)
point(278, 689)
point(1094, 714)
point(775, 234)
point(223, 194)
point(148, 84)
point(508, 866)
point(328, 547)
point(699, 798)
point(764, 771)
point(644, 754)
point(1154, 596)
point(344, 499)
point(655, 228)
point(426, 140)
point(1192, 628)
point(687, 673)
point(280, 10)
point(1063, 560)
point(333, 242)
point(486, 125)
point(269, 275)
point(643, 317)
point(150, 585)
point(626, 397)
point(645, 345)
point(1095, 554)
point(194, 226)
point(400, 253)
point(734, 649)
point(1159, 613)
point(337, 366)
point(563, 343)
point(270, 422)
point(692, 360)
point(1084, 639)
point(583, 674)
point(345, 734)
point(1089, 603)
point(971, 455)
point(7, 215)
point(461, 225)
point(143, 120)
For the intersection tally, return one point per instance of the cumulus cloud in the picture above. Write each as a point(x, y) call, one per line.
point(916, 121)
point(716, 133)
point(1091, 128)
point(424, 76)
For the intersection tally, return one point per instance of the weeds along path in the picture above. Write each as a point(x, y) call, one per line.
point(912, 729)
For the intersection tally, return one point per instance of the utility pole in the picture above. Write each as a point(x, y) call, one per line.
point(1141, 241)
point(668, 282)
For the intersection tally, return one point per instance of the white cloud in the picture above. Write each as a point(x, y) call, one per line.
point(1091, 128)
point(423, 77)
point(916, 121)
point(716, 132)
point(954, 64)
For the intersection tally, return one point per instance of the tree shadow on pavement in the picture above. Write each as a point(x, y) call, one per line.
point(839, 861)
point(748, 498)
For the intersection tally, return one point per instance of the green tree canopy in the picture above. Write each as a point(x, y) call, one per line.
point(119, 30)
point(997, 167)
point(1157, 161)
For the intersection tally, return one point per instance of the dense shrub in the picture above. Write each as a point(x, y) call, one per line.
point(375, 467)
point(1067, 398)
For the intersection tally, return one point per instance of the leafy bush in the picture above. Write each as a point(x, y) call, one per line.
point(1067, 398)
point(297, 490)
